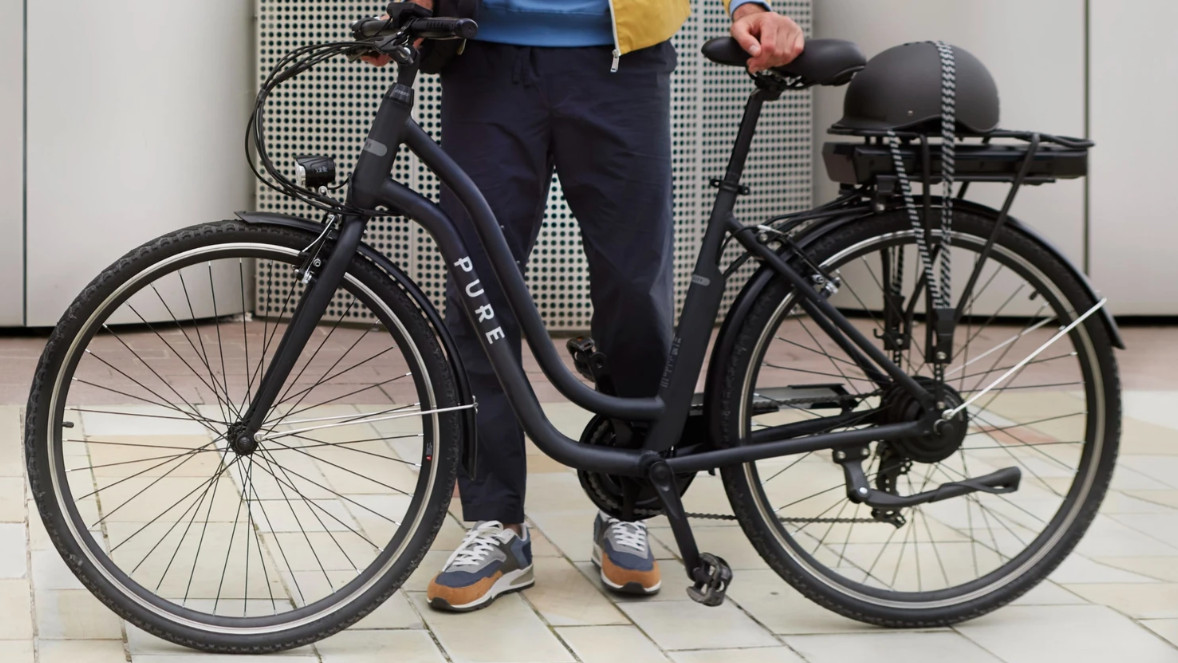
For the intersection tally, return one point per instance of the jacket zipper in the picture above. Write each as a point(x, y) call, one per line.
point(613, 67)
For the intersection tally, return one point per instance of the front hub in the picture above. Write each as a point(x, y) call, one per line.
point(948, 434)
point(241, 441)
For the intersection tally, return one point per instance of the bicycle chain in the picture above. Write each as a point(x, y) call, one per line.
point(725, 516)
point(790, 402)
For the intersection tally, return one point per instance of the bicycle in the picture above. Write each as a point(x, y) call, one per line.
point(979, 432)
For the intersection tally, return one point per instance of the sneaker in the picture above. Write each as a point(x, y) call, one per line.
point(491, 561)
point(622, 551)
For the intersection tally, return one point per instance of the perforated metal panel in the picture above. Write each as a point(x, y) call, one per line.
point(328, 110)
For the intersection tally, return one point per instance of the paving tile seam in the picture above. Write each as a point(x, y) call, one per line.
point(29, 567)
point(630, 622)
point(1142, 497)
point(1140, 622)
point(977, 644)
point(753, 619)
point(551, 629)
point(1115, 518)
point(424, 624)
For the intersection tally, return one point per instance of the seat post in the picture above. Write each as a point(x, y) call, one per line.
point(744, 138)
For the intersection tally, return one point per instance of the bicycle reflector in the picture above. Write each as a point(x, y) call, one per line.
point(314, 172)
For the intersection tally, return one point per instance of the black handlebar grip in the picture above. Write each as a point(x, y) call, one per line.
point(369, 28)
point(444, 28)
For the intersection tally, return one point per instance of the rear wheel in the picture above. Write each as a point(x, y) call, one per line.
point(215, 545)
point(1056, 419)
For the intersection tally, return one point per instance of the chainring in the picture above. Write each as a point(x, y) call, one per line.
point(607, 491)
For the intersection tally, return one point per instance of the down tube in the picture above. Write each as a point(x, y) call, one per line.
point(510, 373)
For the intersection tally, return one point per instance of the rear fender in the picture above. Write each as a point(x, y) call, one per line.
point(742, 305)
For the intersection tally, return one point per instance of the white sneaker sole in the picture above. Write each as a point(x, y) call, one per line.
point(628, 588)
point(512, 581)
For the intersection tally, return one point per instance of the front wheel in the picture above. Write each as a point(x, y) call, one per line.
point(1056, 419)
point(171, 519)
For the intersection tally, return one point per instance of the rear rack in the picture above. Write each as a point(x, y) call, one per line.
point(1041, 161)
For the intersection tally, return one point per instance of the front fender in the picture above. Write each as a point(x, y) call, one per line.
point(470, 448)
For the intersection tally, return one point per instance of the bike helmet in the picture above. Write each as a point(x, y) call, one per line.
point(900, 89)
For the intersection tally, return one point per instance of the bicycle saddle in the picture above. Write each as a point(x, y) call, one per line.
point(824, 62)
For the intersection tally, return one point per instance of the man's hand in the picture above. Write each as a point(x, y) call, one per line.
point(770, 38)
point(377, 60)
point(382, 60)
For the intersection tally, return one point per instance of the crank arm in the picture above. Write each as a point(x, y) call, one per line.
point(710, 575)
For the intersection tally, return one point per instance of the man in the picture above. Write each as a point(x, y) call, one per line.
point(581, 87)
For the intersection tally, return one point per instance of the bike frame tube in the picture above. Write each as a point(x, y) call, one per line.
point(511, 282)
point(690, 344)
point(833, 322)
point(310, 309)
point(373, 188)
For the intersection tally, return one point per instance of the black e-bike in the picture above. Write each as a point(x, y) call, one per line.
point(244, 436)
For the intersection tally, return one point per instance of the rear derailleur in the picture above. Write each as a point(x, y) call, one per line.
point(892, 465)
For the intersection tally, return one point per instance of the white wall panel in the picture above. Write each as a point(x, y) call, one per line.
point(11, 162)
point(1134, 105)
point(1036, 52)
point(136, 114)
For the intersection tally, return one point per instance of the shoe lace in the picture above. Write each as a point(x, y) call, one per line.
point(476, 545)
point(629, 535)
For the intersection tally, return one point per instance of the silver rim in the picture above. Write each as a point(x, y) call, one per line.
point(267, 530)
point(850, 577)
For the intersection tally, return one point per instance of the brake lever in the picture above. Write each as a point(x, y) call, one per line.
point(359, 52)
point(393, 46)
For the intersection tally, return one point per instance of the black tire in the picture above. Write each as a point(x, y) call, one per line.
point(1057, 420)
point(330, 513)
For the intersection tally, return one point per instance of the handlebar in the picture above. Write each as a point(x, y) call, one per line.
point(420, 28)
point(443, 28)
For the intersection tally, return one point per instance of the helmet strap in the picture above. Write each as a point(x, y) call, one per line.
point(940, 290)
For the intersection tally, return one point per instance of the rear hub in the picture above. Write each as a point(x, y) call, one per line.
point(948, 435)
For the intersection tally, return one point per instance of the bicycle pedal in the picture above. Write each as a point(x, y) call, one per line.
point(713, 576)
point(591, 363)
point(582, 349)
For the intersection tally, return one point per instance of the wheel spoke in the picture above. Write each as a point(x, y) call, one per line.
point(201, 354)
point(205, 485)
point(284, 396)
point(271, 463)
point(176, 352)
point(227, 399)
point(186, 457)
point(192, 519)
point(1030, 418)
point(154, 391)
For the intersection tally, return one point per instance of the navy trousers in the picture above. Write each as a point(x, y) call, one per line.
point(513, 115)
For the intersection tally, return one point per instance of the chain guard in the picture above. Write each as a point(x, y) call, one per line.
point(607, 491)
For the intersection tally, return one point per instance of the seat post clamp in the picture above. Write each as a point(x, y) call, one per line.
point(725, 185)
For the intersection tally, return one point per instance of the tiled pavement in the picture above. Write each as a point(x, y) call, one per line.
point(1115, 599)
